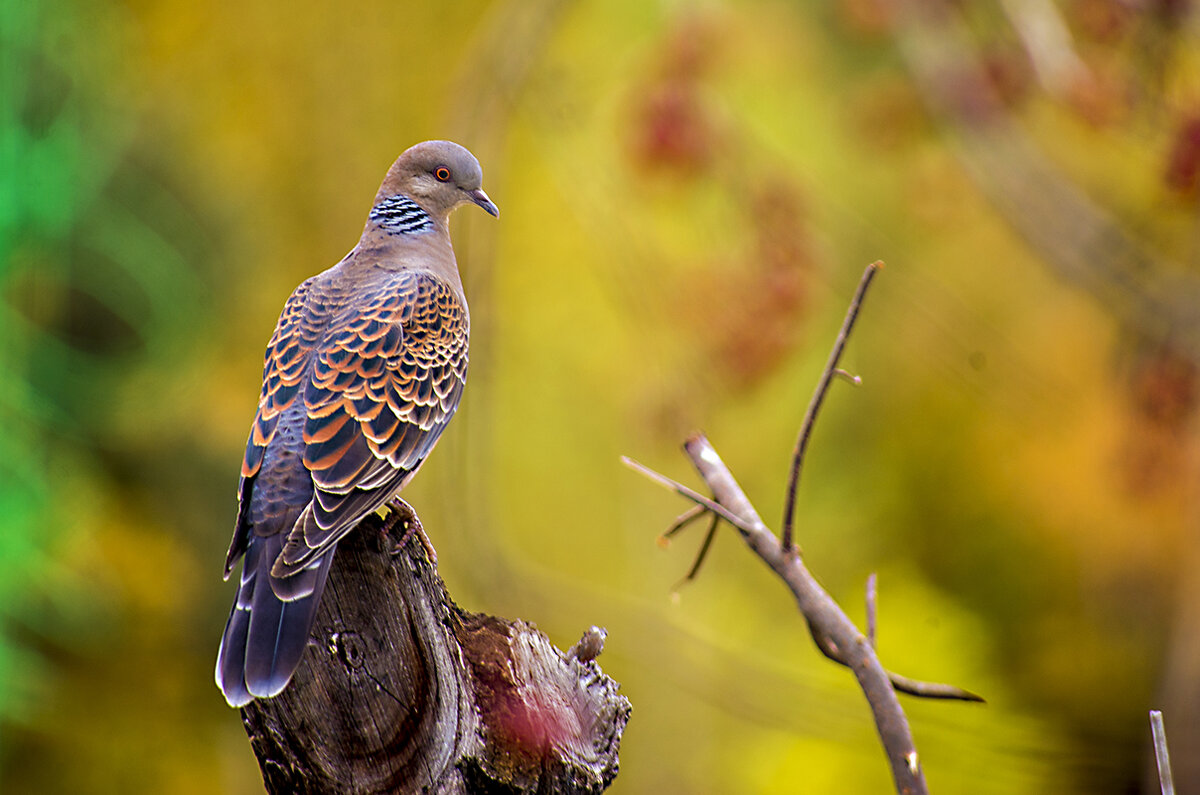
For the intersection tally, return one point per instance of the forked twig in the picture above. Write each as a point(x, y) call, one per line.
point(834, 633)
point(690, 494)
point(814, 405)
point(751, 526)
point(683, 520)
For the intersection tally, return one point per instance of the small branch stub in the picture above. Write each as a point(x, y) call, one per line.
point(1159, 732)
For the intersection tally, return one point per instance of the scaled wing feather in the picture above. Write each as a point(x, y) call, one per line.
point(382, 386)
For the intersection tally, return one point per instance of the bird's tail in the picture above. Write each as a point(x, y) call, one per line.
point(269, 625)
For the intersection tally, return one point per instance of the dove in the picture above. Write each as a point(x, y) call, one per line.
point(364, 370)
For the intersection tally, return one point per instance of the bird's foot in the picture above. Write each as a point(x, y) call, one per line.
point(401, 514)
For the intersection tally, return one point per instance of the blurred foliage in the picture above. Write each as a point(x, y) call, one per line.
point(689, 193)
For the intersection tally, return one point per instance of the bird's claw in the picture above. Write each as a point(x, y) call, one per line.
point(401, 514)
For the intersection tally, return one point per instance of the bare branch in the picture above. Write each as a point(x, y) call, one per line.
point(1159, 730)
point(903, 684)
point(690, 494)
point(825, 618)
point(683, 520)
point(814, 405)
point(834, 634)
point(704, 547)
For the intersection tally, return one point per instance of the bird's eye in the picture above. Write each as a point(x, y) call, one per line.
point(442, 173)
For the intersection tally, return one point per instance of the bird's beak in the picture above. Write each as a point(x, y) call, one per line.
point(481, 198)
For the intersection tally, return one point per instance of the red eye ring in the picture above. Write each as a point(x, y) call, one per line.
point(442, 173)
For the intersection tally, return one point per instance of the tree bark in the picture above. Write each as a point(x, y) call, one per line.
point(401, 691)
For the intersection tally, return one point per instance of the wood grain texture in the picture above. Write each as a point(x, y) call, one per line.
point(401, 691)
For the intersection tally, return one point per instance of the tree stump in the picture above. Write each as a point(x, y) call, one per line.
point(401, 691)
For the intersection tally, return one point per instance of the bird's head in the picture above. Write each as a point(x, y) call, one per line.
point(438, 175)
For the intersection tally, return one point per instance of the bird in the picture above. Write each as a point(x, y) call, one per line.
point(364, 370)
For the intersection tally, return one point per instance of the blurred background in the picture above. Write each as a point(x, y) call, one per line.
point(689, 194)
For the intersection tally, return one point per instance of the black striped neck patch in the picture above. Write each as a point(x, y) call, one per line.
point(400, 215)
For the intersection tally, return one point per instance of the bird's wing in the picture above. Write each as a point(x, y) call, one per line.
point(296, 333)
point(383, 384)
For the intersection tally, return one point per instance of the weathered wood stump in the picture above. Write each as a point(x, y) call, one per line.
point(401, 691)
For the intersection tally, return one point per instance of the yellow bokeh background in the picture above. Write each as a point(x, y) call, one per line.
point(689, 192)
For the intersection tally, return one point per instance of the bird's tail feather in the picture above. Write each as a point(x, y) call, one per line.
point(266, 635)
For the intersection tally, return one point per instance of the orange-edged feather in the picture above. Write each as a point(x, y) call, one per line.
point(380, 388)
